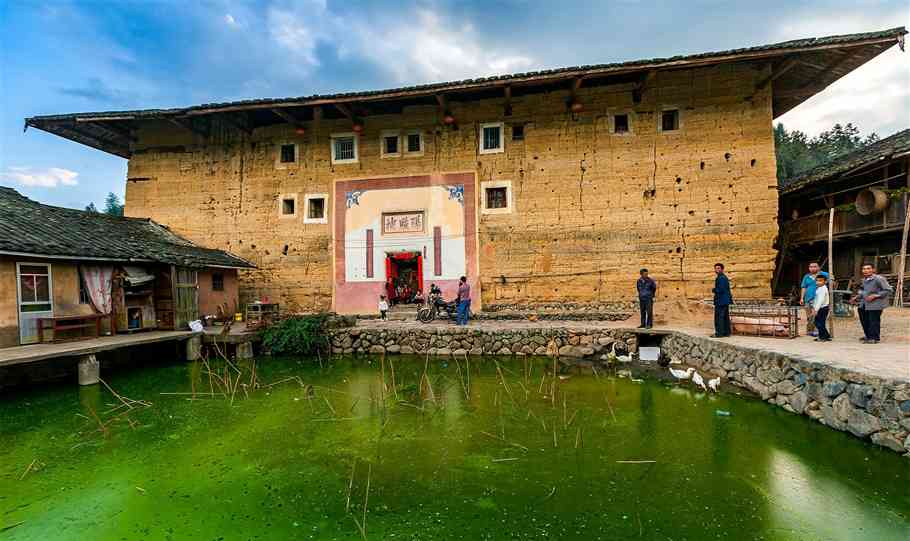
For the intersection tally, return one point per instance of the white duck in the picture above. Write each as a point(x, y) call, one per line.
point(682, 374)
point(620, 358)
point(698, 380)
point(713, 383)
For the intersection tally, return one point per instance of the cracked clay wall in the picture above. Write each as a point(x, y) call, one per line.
point(589, 206)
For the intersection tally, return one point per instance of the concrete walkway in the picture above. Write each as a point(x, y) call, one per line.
point(886, 359)
point(38, 352)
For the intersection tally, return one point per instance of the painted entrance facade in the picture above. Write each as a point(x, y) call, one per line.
point(429, 221)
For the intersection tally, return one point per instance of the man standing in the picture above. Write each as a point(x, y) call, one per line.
point(873, 298)
point(464, 301)
point(807, 295)
point(647, 290)
point(723, 298)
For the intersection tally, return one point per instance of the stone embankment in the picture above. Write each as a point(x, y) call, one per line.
point(867, 406)
point(573, 343)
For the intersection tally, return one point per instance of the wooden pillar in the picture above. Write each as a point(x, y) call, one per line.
point(902, 261)
point(831, 271)
point(194, 348)
point(89, 370)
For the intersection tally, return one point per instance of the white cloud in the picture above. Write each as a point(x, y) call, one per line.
point(419, 47)
point(44, 178)
point(430, 49)
point(229, 20)
point(874, 97)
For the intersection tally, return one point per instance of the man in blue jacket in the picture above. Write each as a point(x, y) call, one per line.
point(723, 298)
point(647, 289)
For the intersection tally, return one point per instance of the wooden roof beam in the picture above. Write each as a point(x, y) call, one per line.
point(778, 72)
point(813, 86)
point(189, 125)
point(345, 110)
point(287, 117)
point(507, 106)
point(89, 140)
point(114, 132)
point(239, 122)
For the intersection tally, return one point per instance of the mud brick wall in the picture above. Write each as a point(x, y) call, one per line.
point(589, 207)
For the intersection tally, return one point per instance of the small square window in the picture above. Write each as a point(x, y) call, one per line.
point(497, 198)
point(415, 144)
point(518, 132)
point(344, 148)
point(390, 144)
point(669, 120)
point(217, 281)
point(621, 123)
point(315, 209)
point(288, 206)
point(491, 138)
point(288, 153)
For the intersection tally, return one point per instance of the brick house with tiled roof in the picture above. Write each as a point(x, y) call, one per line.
point(42, 248)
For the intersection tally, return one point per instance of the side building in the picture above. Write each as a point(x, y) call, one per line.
point(869, 190)
point(67, 271)
point(551, 186)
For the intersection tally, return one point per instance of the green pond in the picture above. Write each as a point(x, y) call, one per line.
point(439, 451)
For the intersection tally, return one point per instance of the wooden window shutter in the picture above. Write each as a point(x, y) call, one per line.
point(437, 251)
point(369, 253)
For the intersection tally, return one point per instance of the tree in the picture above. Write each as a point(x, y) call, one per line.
point(91, 208)
point(112, 205)
point(797, 152)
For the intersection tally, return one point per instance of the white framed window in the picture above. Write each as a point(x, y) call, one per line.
point(621, 123)
point(287, 155)
point(490, 138)
point(287, 205)
point(344, 147)
point(413, 143)
point(316, 209)
point(496, 197)
point(35, 287)
point(670, 119)
point(390, 144)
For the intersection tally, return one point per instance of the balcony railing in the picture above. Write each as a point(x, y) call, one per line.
point(846, 223)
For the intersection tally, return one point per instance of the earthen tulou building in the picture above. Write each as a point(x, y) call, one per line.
point(551, 186)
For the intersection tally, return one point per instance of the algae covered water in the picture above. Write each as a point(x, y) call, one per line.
point(363, 448)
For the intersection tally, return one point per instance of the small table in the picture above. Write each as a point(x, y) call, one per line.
point(68, 323)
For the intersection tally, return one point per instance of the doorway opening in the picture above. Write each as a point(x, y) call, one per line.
point(404, 277)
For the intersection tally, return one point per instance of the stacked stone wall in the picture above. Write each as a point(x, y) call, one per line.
point(864, 405)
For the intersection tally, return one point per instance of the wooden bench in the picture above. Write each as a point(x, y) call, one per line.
point(69, 323)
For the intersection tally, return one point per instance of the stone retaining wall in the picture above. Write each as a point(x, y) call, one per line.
point(868, 407)
point(574, 343)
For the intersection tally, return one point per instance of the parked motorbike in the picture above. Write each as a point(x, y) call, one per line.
point(437, 308)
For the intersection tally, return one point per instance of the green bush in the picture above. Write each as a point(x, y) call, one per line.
point(298, 335)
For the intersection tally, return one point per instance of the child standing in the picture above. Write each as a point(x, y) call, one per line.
point(383, 308)
point(821, 306)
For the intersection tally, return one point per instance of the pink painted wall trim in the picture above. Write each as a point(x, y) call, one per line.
point(363, 297)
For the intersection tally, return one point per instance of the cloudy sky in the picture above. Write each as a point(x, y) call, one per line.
point(60, 57)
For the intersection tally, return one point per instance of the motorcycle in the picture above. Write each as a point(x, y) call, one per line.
point(437, 308)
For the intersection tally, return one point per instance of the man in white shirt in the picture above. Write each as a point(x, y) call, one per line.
point(821, 306)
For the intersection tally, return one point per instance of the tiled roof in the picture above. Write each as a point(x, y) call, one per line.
point(897, 144)
point(651, 63)
point(29, 227)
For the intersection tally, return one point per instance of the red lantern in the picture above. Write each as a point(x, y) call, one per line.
point(448, 119)
point(576, 106)
point(357, 127)
point(300, 130)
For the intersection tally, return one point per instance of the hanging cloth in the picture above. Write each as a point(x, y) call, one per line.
point(136, 276)
point(97, 281)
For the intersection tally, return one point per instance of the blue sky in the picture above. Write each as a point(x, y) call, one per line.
point(61, 56)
